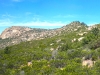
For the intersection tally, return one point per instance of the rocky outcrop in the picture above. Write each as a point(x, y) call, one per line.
point(88, 62)
point(13, 32)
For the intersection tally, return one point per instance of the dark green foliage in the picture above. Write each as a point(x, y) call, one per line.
point(95, 44)
point(66, 46)
point(7, 50)
point(95, 31)
point(85, 41)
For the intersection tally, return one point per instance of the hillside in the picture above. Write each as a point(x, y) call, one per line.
point(73, 49)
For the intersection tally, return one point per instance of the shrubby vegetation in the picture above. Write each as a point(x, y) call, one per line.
point(53, 56)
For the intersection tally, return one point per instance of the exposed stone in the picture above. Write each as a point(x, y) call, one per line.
point(80, 38)
point(51, 44)
point(74, 40)
point(89, 63)
point(52, 49)
point(29, 64)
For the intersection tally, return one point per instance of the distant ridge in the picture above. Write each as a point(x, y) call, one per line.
point(16, 34)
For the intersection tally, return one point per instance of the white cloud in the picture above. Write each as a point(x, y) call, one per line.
point(8, 16)
point(16, 0)
point(90, 24)
point(7, 22)
point(28, 13)
point(64, 16)
point(39, 23)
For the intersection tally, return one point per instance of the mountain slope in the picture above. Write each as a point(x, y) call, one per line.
point(75, 50)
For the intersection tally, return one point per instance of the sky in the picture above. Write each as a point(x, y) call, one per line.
point(47, 14)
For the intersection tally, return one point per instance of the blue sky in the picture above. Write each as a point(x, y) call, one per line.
point(47, 13)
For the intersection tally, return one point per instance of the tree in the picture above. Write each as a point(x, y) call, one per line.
point(95, 31)
point(6, 50)
point(83, 24)
point(85, 41)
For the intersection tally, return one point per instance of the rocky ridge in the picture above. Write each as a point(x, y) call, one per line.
point(17, 34)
